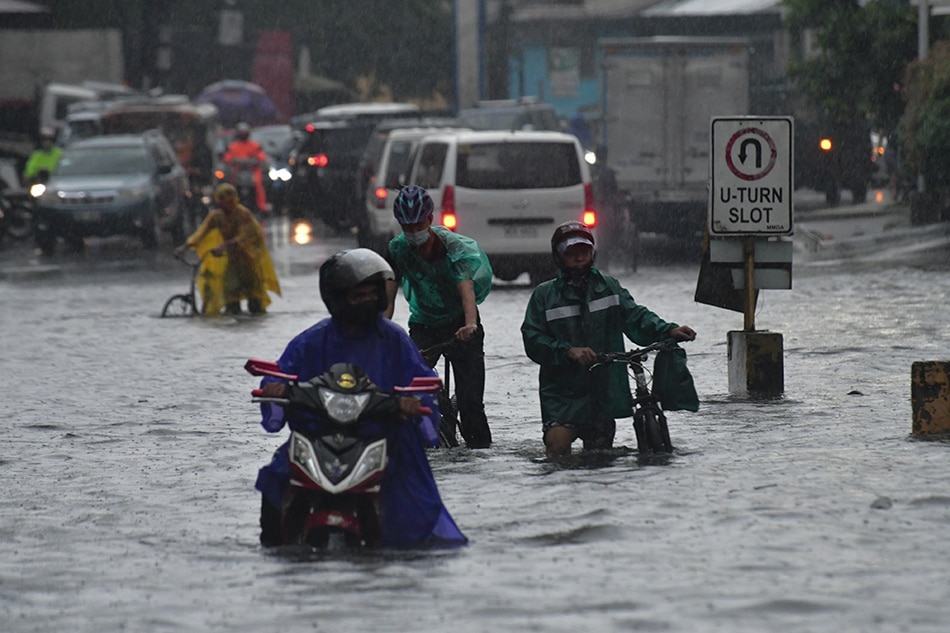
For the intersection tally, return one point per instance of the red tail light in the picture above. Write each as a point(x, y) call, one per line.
point(590, 217)
point(449, 220)
point(310, 127)
point(380, 194)
point(319, 160)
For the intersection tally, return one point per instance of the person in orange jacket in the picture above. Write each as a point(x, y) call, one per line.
point(243, 148)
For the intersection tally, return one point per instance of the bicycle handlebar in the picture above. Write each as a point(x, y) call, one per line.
point(438, 347)
point(634, 355)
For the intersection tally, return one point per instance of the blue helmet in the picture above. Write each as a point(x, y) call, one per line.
point(412, 205)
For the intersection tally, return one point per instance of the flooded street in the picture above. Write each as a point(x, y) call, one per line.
point(131, 448)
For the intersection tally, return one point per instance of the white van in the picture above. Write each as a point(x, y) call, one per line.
point(380, 225)
point(508, 190)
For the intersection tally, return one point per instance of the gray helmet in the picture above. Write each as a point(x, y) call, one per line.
point(348, 269)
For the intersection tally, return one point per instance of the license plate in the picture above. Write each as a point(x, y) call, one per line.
point(521, 231)
point(87, 216)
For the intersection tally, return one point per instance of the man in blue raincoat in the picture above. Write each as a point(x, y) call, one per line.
point(353, 287)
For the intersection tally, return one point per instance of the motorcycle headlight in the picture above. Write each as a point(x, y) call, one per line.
point(301, 452)
point(282, 174)
point(343, 407)
point(37, 189)
point(372, 462)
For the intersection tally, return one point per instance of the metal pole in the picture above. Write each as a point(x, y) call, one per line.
point(749, 251)
point(923, 42)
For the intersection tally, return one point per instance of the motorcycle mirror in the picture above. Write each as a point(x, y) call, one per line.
point(258, 367)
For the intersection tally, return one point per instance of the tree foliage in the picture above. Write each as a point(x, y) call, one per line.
point(861, 56)
point(925, 128)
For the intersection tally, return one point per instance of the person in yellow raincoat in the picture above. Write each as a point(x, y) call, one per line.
point(240, 266)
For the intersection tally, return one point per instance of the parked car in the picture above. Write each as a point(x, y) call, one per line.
point(507, 190)
point(114, 185)
point(388, 175)
point(511, 114)
point(325, 161)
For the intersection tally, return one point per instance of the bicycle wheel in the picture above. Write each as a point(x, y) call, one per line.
point(179, 306)
point(448, 437)
point(653, 435)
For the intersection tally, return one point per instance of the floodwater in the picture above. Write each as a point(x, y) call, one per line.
point(131, 447)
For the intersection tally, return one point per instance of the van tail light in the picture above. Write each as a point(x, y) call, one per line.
point(318, 160)
point(590, 217)
point(449, 219)
point(380, 194)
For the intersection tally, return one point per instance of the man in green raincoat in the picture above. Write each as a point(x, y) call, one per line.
point(569, 320)
point(444, 277)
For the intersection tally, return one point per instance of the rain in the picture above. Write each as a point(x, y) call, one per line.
point(132, 444)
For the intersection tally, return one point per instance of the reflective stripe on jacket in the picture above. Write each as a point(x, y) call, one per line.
point(557, 319)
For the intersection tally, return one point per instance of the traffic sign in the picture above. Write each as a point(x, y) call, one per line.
point(751, 185)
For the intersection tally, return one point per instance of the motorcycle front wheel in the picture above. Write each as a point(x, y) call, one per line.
point(20, 225)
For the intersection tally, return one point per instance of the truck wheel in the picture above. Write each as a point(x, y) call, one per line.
point(859, 193)
point(832, 193)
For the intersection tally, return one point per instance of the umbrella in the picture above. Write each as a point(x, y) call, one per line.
point(238, 101)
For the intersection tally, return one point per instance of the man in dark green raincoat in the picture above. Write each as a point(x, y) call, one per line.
point(569, 320)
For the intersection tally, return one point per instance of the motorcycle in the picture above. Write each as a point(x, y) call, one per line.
point(240, 173)
point(336, 463)
point(16, 205)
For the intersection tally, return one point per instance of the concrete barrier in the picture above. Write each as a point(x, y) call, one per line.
point(930, 397)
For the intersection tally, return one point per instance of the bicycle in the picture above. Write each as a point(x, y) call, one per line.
point(448, 403)
point(649, 420)
point(185, 305)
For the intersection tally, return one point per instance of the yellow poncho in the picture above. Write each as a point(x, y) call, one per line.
point(245, 271)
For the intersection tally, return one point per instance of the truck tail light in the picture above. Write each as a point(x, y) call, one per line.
point(449, 219)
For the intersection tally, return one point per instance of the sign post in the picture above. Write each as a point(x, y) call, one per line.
point(750, 209)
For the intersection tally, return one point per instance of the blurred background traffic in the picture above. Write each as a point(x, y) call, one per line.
point(295, 103)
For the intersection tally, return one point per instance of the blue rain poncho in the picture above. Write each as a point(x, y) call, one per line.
point(412, 511)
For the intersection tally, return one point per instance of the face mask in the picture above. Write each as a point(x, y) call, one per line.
point(577, 277)
point(417, 239)
point(362, 314)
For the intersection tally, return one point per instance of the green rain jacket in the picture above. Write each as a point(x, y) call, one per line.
point(431, 288)
point(557, 319)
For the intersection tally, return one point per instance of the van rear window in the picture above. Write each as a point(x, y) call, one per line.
point(517, 166)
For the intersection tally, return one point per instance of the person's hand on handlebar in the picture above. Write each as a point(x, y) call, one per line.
point(410, 406)
point(683, 333)
point(274, 390)
point(584, 356)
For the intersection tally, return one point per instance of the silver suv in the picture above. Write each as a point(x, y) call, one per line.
point(121, 184)
point(508, 191)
